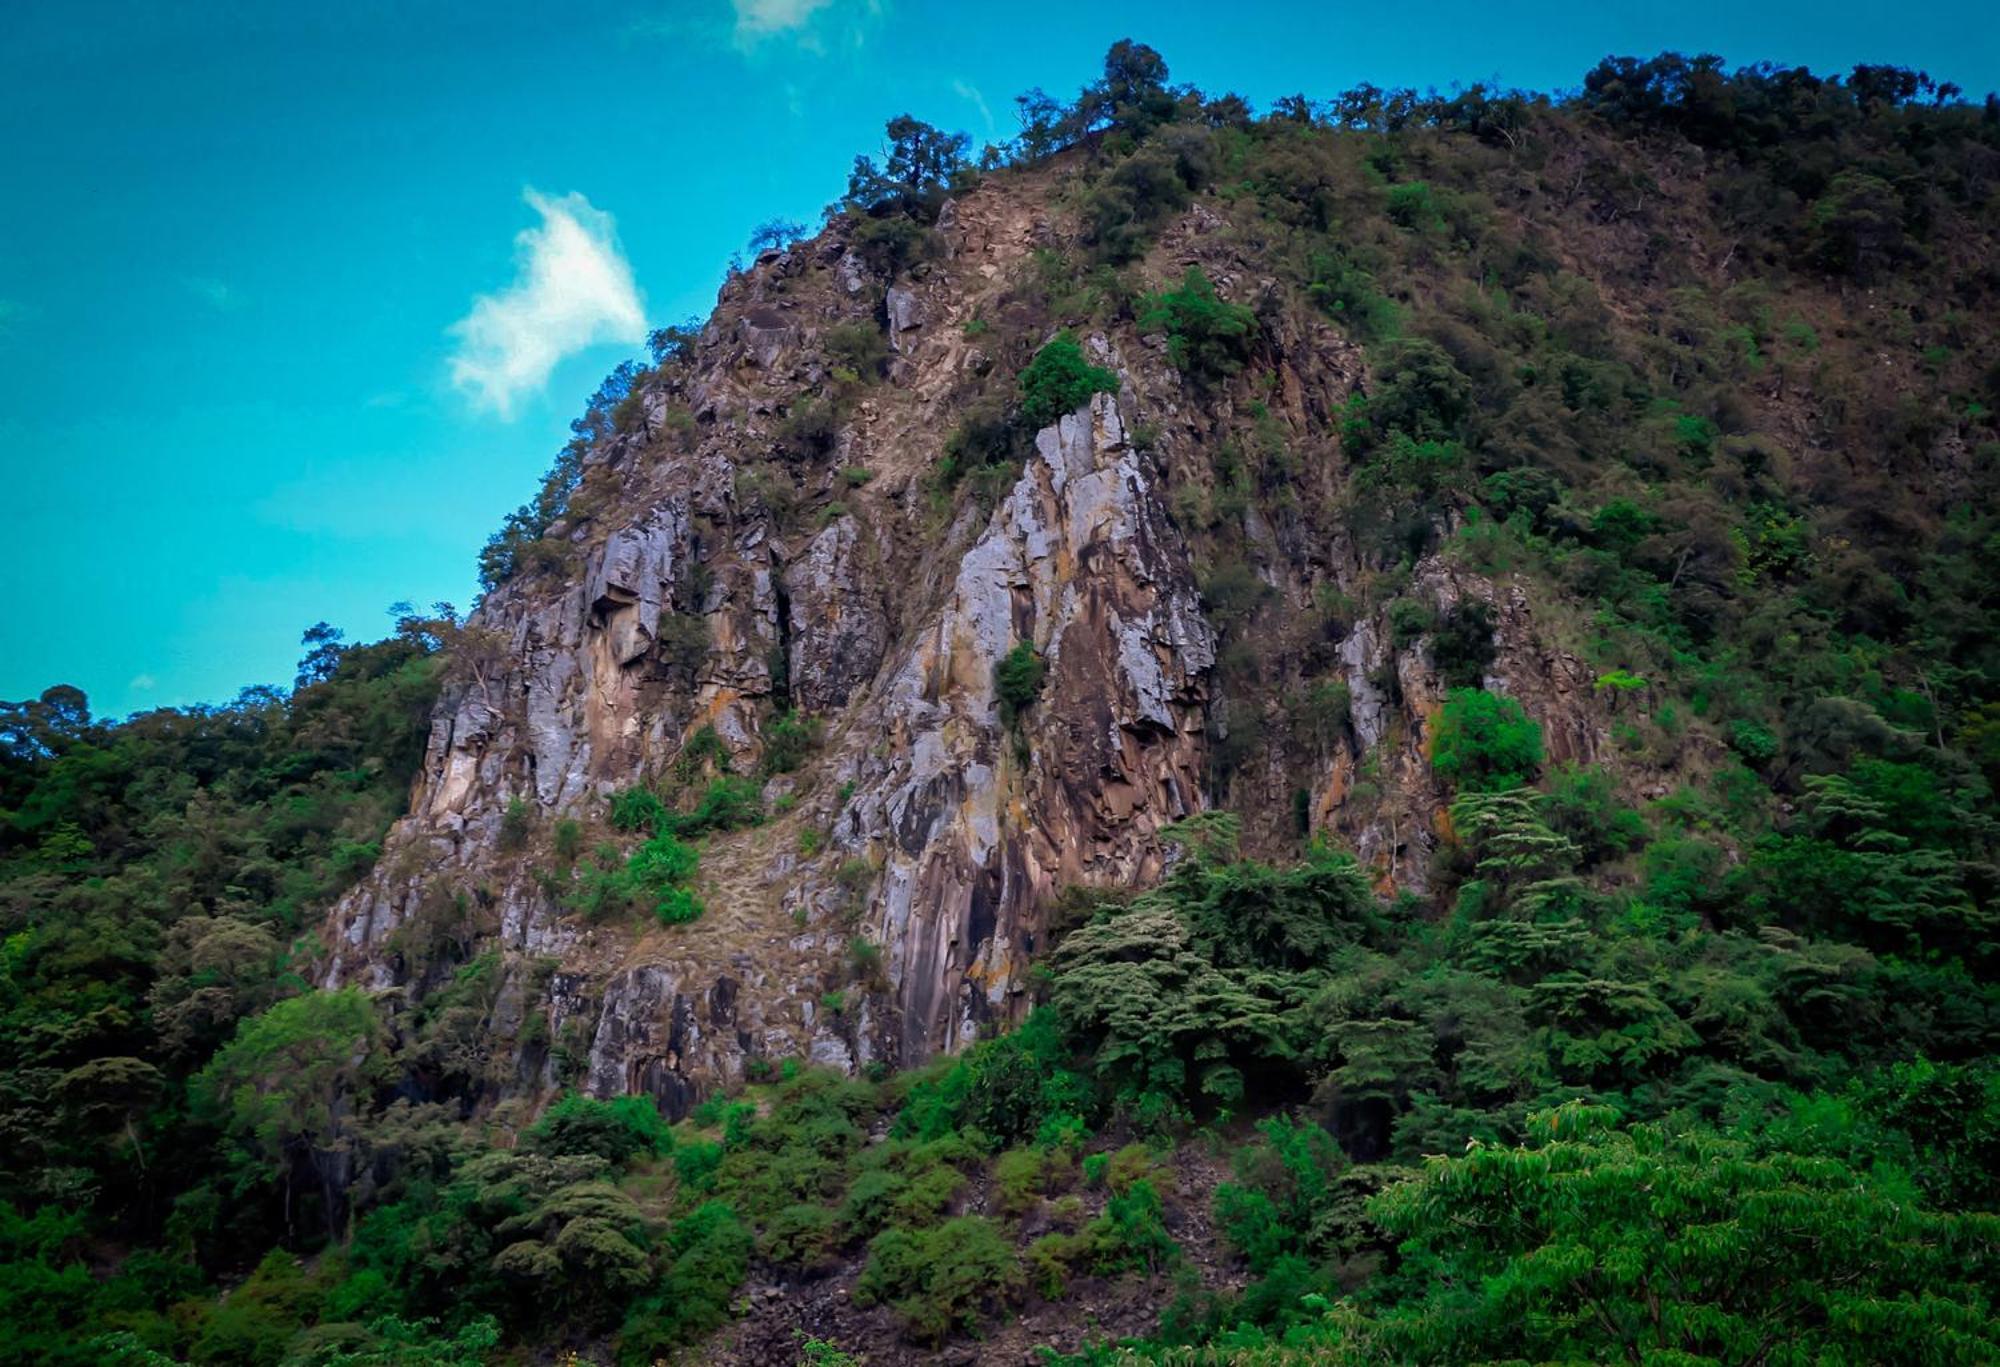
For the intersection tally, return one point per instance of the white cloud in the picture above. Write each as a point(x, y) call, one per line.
point(757, 29)
point(970, 94)
point(759, 19)
point(217, 294)
point(573, 289)
point(143, 683)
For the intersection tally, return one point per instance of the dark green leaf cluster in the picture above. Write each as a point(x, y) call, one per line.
point(1059, 381)
point(1208, 337)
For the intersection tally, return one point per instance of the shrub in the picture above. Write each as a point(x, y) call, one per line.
point(637, 809)
point(788, 740)
point(1124, 209)
point(1131, 1235)
point(1017, 1179)
point(729, 803)
point(711, 1250)
point(1582, 806)
point(568, 840)
point(858, 349)
point(514, 825)
point(940, 1279)
point(653, 877)
point(1462, 643)
point(1348, 293)
point(1017, 681)
point(678, 906)
point(1009, 1088)
point(1208, 338)
point(1418, 391)
point(1049, 1260)
point(802, 1236)
point(1752, 740)
point(987, 437)
point(1059, 380)
point(890, 245)
point(1409, 619)
point(809, 429)
point(1283, 1190)
point(1485, 743)
point(617, 1131)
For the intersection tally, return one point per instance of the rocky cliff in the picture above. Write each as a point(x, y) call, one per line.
point(714, 569)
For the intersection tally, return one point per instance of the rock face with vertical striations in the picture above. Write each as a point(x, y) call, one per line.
point(769, 538)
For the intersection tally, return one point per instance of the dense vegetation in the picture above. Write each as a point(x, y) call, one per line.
point(1703, 1078)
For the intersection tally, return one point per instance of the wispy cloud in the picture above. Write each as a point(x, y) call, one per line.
point(765, 28)
point(970, 94)
point(757, 20)
point(217, 294)
point(143, 683)
point(573, 289)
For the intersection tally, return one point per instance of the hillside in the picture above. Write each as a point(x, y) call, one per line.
point(1359, 734)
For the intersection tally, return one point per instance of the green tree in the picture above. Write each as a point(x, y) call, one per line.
point(1483, 742)
point(1208, 337)
point(288, 1089)
point(1059, 380)
point(917, 171)
point(1597, 1243)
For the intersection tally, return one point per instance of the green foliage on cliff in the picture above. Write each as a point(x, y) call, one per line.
point(1207, 337)
point(1017, 681)
point(1484, 742)
point(1058, 381)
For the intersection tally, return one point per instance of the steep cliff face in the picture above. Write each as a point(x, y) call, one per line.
point(715, 567)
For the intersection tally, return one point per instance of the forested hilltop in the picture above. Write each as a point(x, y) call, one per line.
point(1359, 734)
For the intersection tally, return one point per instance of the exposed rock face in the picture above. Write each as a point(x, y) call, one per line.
point(1082, 562)
point(906, 315)
point(716, 568)
point(634, 580)
point(834, 612)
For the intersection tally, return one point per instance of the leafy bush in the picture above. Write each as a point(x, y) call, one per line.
point(515, 823)
point(1752, 740)
point(892, 245)
point(654, 878)
point(788, 739)
point(858, 349)
point(1208, 338)
point(638, 809)
point(729, 802)
point(1462, 643)
point(809, 429)
point(711, 1251)
point(1059, 381)
point(1009, 1088)
point(1582, 806)
point(1131, 1235)
point(1557, 1250)
point(1483, 742)
point(1418, 391)
point(1123, 211)
point(940, 1279)
point(617, 1131)
point(1017, 681)
point(1017, 1179)
point(568, 840)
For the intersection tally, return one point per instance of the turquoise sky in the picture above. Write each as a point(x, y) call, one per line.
point(236, 240)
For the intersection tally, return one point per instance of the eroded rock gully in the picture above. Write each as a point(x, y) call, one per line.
point(694, 598)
